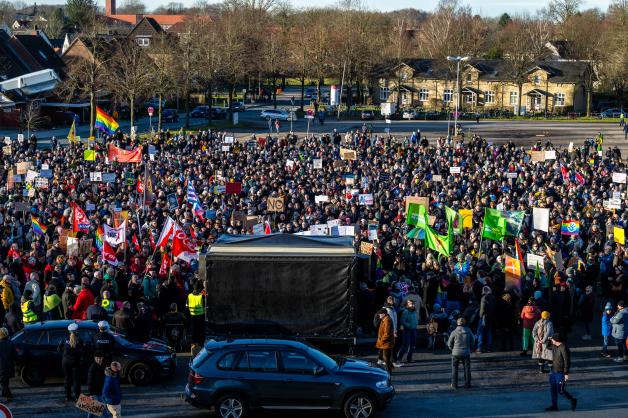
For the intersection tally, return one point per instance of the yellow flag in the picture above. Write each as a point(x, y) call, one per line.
point(72, 134)
point(89, 155)
point(618, 233)
point(467, 218)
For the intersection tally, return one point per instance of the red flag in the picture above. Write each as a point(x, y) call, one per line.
point(137, 243)
point(233, 188)
point(139, 186)
point(166, 232)
point(123, 156)
point(183, 247)
point(192, 233)
point(520, 256)
point(579, 178)
point(267, 229)
point(165, 265)
point(152, 240)
point(108, 254)
point(564, 172)
point(79, 219)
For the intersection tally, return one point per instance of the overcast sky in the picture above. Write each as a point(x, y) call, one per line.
point(482, 7)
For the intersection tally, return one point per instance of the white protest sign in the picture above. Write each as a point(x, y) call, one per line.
point(437, 178)
point(229, 140)
point(550, 155)
point(616, 195)
point(319, 229)
point(346, 230)
point(613, 204)
point(454, 170)
point(45, 167)
point(321, 198)
point(225, 148)
point(41, 183)
point(333, 227)
point(318, 162)
point(31, 175)
point(95, 176)
point(511, 175)
point(365, 199)
point(570, 149)
point(619, 178)
point(289, 163)
point(532, 260)
point(258, 229)
point(540, 219)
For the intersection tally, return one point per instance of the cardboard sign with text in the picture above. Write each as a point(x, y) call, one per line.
point(421, 200)
point(275, 204)
point(348, 154)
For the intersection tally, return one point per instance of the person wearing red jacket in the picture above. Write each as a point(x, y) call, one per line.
point(529, 315)
point(84, 299)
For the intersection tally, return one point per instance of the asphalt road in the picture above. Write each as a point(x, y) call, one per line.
point(504, 384)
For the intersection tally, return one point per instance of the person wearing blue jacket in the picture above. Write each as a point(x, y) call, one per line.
point(607, 328)
point(111, 393)
point(408, 325)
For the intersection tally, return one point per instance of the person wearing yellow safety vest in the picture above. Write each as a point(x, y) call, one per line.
point(28, 314)
point(52, 304)
point(107, 304)
point(196, 306)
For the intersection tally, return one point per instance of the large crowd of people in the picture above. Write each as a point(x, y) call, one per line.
point(144, 287)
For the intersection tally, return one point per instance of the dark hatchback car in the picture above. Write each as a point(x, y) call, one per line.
point(37, 357)
point(236, 376)
point(169, 115)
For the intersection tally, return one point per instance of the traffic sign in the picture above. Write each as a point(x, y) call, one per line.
point(309, 116)
point(151, 110)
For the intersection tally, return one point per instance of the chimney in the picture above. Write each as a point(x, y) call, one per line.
point(110, 7)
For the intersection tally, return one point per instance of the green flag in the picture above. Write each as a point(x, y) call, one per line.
point(494, 226)
point(454, 219)
point(89, 155)
point(439, 243)
point(417, 215)
point(416, 233)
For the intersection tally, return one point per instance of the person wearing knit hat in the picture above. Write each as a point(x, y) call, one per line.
point(607, 328)
point(542, 331)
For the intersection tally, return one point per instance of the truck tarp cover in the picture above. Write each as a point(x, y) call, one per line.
point(281, 284)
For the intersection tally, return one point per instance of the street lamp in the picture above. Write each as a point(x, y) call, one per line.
point(457, 59)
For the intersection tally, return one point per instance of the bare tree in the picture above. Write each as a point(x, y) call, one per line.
point(132, 7)
point(163, 70)
point(561, 10)
point(207, 61)
point(130, 73)
point(31, 118)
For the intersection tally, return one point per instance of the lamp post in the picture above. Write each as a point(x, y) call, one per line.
point(457, 60)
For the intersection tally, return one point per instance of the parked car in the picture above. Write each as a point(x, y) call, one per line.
point(237, 107)
point(367, 115)
point(610, 113)
point(311, 93)
point(154, 102)
point(409, 114)
point(37, 357)
point(275, 114)
point(237, 376)
point(169, 115)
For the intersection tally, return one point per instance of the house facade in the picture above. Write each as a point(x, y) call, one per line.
point(553, 87)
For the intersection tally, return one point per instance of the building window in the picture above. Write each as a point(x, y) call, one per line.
point(143, 41)
point(448, 96)
point(423, 95)
point(559, 99)
point(514, 98)
point(383, 93)
point(469, 98)
point(489, 97)
point(469, 78)
point(537, 80)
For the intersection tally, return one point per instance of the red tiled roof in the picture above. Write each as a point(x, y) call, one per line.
point(161, 19)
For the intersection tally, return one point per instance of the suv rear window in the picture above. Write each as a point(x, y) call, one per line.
point(259, 361)
point(228, 361)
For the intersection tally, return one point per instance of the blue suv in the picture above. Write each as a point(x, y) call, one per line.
point(237, 376)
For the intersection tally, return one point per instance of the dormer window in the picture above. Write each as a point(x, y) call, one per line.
point(537, 80)
point(469, 78)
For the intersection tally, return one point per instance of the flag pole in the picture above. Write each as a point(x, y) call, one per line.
point(482, 234)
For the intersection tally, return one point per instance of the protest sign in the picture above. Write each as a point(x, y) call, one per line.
point(366, 248)
point(30, 193)
point(220, 189)
point(467, 218)
point(619, 178)
point(289, 164)
point(613, 204)
point(365, 199)
point(85, 246)
point(6, 150)
point(550, 155)
point(229, 140)
point(17, 178)
point(421, 200)
point(372, 228)
point(512, 175)
point(346, 230)
point(318, 229)
point(23, 167)
point(95, 176)
point(173, 203)
point(41, 183)
point(348, 154)
point(234, 187)
point(45, 173)
point(618, 235)
point(321, 198)
point(532, 260)
point(540, 219)
point(91, 406)
point(317, 162)
point(437, 178)
point(225, 148)
point(617, 195)
point(537, 156)
point(333, 227)
point(31, 175)
point(258, 229)
point(249, 221)
point(454, 170)
point(108, 177)
point(238, 215)
point(21, 207)
point(90, 207)
point(338, 164)
point(275, 204)
point(72, 249)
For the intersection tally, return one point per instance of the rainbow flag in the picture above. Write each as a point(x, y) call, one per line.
point(38, 227)
point(570, 227)
point(105, 123)
point(100, 235)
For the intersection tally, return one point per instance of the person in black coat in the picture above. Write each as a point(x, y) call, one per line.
point(96, 378)
point(72, 349)
point(7, 363)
